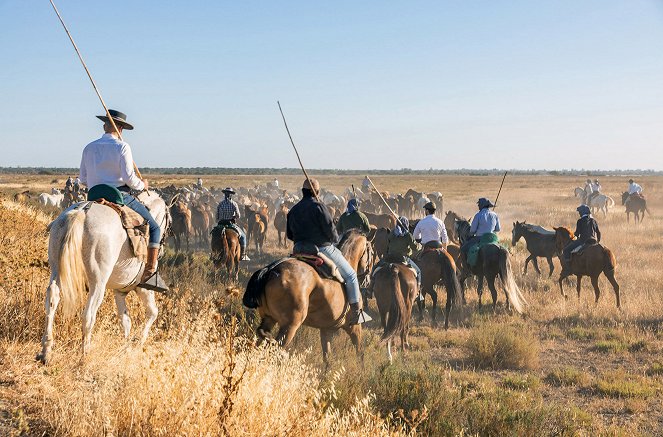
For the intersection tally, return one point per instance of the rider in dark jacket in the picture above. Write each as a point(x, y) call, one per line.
point(587, 232)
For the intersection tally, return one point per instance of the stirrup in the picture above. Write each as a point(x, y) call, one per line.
point(155, 283)
point(245, 258)
point(420, 297)
point(363, 317)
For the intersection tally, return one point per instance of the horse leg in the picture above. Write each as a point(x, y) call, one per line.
point(389, 355)
point(151, 311)
point(610, 274)
point(96, 296)
point(493, 291)
point(264, 331)
point(597, 291)
point(480, 288)
point(433, 296)
point(562, 276)
point(536, 265)
point(447, 310)
point(421, 304)
point(52, 300)
point(122, 313)
point(354, 331)
point(325, 341)
point(551, 265)
point(287, 333)
point(578, 285)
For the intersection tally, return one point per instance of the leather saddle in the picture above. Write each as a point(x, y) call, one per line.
point(323, 265)
point(580, 249)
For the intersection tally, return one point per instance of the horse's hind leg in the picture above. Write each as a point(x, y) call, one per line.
point(536, 265)
point(325, 342)
point(551, 265)
point(610, 274)
point(94, 300)
point(493, 291)
point(287, 333)
point(578, 282)
point(123, 313)
point(264, 331)
point(52, 300)
point(354, 331)
point(151, 311)
point(597, 291)
point(480, 289)
point(433, 296)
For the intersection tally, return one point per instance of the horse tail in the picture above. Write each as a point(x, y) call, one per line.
point(70, 268)
point(509, 283)
point(255, 288)
point(612, 202)
point(396, 316)
point(451, 282)
point(609, 261)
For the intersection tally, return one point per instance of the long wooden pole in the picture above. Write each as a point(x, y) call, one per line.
point(94, 85)
point(398, 221)
point(500, 190)
point(296, 152)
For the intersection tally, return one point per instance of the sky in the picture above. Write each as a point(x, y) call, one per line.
point(547, 84)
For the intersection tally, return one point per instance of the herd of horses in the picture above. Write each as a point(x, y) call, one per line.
point(289, 293)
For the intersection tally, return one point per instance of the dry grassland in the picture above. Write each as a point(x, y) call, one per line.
point(568, 368)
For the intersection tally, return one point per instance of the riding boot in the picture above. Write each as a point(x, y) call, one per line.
point(243, 256)
point(356, 315)
point(151, 279)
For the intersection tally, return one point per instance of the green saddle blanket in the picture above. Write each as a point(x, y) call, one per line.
point(473, 252)
point(105, 191)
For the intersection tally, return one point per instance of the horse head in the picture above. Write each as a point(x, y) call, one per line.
point(517, 232)
point(462, 228)
point(624, 197)
point(562, 237)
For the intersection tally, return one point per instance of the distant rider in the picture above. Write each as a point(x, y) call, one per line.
point(484, 222)
point(352, 218)
point(587, 232)
point(431, 230)
point(596, 190)
point(366, 184)
point(227, 214)
point(69, 185)
point(634, 190)
point(109, 161)
point(589, 190)
point(309, 222)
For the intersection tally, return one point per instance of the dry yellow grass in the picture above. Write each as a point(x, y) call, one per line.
point(179, 384)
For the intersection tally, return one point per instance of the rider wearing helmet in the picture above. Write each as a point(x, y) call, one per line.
point(352, 218)
point(431, 230)
point(587, 232)
point(309, 222)
point(484, 222)
point(227, 214)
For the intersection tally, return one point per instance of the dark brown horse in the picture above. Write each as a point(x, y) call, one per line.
point(635, 204)
point(540, 243)
point(380, 242)
point(226, 250)
point(280, 223)
point(290, 293)
point(181, 226)
point(395, 288)
point(493, 261)
point(593, 260)
point(437, 268)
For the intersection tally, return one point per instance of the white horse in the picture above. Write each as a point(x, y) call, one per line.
point(89, 247)
point(51, 199)
point(601, 202)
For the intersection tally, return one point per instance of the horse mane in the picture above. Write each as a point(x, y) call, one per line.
point(348, 235)
point(564, 229)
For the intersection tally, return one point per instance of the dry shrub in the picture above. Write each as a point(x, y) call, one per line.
point(619, 384)
point(493, 345)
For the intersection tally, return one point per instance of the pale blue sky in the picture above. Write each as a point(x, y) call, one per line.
point(382, 84)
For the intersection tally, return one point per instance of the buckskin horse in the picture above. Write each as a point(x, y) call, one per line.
point(290, 293)
point(493, 261)
point(395, 288)
point(540, 243)
point(438, 267)
point(226, 250)
point(636, 205)
point(90, 249)
point(591, 261)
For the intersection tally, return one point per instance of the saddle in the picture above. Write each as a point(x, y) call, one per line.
point(311, 255)
point(133, 223)
point(580, 249)
point(473, 251)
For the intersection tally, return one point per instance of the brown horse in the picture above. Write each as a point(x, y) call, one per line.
point(593, 260)
point(200, 222)
point(258, 231)
point(280, 223)
point(635, 204)
point(449, 223)
point(181, 226)
point(438, 267)
point(380, 242)
point(22, 197)
point(381, 220)
point(395, 288)
point(290, 293)
point(226, 250)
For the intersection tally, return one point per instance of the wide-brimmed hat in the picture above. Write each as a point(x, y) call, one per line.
point(119, 118)
point(583, 210)
point(228, 190)
point(484, 203)
point(430, 206)
point(311, 184)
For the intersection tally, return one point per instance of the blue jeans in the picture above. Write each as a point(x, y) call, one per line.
point(416, 269)
point(346, 270)
point(155, 230)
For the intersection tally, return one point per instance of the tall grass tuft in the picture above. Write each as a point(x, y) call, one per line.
point(494, 345)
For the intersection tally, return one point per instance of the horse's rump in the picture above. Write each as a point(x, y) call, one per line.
point(256, 285)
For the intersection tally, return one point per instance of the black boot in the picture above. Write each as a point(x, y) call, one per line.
point(356, 315)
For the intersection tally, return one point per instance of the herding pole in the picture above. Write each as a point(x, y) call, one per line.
point(296, 152)
point(500, 190)
point(398, 221)
point(94, 85)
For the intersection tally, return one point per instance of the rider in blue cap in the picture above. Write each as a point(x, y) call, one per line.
point(587, 232)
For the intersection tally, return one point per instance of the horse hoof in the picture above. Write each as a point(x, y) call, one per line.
point(41, 358)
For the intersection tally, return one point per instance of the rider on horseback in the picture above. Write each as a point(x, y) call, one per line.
point(400, 247)
point(484, 222)
point(352, 218)
point(589, 191)
point(587, 232)
point(634, 190)
point(109, 161)
point(227, 214)
point(431, 230)
point(596, 190)
point(309, 222)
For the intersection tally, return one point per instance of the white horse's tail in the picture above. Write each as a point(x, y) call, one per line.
point(612, 202)
point(70, 263)
point(509, 283)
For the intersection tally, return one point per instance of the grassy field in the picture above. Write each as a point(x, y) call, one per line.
point(569, 367)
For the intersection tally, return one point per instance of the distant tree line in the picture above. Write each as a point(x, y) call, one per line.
point(333, 171)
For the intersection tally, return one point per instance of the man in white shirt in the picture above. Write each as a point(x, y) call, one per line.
point(109, 161)
point(634, 188)
point(430, 229)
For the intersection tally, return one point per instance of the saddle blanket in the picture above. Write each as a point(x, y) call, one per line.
point(325, 267)
point(473, 252)
point(578, 250)
point(134, 224)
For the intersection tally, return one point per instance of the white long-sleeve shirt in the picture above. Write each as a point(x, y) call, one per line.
point(109, 161)
point(430, 228)
point(634, 188)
